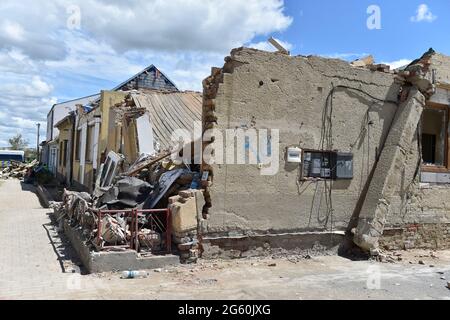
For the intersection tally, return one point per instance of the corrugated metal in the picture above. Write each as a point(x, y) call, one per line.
point(170, 111)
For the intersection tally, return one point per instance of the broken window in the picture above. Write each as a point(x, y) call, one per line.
point(435, 137)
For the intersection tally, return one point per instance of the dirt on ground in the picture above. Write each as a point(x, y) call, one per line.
point(38, 263)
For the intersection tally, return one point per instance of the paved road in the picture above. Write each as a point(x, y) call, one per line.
point(30, 257)
point(36, 264)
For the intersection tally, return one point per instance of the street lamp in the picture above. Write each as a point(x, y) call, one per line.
point(37, 142)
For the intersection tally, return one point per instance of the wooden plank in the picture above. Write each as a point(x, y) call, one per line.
point(147, 164)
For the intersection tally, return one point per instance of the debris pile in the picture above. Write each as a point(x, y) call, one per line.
point(19, 170)
point(120, 201)
point(369, 63)
point(417, 72)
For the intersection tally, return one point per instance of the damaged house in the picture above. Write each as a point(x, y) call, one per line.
point(363, 151)
point(121, 158)
point(53, 145)
point(294, 152)
point(71, 158)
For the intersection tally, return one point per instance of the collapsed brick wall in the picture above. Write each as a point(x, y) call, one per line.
point(209, 121)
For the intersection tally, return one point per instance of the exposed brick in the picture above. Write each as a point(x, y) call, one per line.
point(417, 236)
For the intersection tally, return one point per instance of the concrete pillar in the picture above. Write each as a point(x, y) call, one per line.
point(96, 143)
point(389, 172)
point(83, 138)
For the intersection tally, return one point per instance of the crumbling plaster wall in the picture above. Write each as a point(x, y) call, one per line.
point(393, 175)
point(275, 91)
point(441, 64)
point(421, 214)
point(109, 132)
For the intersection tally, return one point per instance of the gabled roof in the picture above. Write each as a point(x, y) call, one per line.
point(146, 70)
point(163, 83)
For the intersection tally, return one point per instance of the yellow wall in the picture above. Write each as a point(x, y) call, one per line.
point(65, 133)
point(109, 132)
point(88, 166)
point(109, 135)
point(130, 149)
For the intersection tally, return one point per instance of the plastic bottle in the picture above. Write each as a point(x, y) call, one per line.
point(132, 274)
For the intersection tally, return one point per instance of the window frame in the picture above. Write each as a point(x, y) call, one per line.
point(437, 168)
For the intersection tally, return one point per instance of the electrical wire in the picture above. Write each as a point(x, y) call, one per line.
point(326, 139)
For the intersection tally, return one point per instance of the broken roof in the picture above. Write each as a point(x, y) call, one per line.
point(150, 78)
point(71, 115)
point(71, 104)
point(170, 111)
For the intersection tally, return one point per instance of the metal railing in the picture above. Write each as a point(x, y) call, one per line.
point(155, 223)
point(131, 216)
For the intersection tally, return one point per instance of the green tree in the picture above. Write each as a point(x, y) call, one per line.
point(30, 154)
point(18, 142)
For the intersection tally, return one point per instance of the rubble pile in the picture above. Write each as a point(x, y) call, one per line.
point(152, 182)
point(18, 170)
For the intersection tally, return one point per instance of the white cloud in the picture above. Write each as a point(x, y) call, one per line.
point(266, 46)
point(204, 25)
point(13, 30)
point(39, 54)
point(88, 57)
point(14, 61)
point(176, 25)
point(345, 56)
point(22, 105)
point(398, 64)
point(423, 13)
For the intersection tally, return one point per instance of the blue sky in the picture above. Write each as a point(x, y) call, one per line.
point(52, 51)
point(328, 27)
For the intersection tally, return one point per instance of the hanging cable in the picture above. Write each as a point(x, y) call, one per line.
point(326, 138)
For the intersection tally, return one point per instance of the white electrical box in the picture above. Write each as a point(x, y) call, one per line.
point(294, 155)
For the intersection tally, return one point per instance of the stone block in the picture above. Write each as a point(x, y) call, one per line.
point(184, 217)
